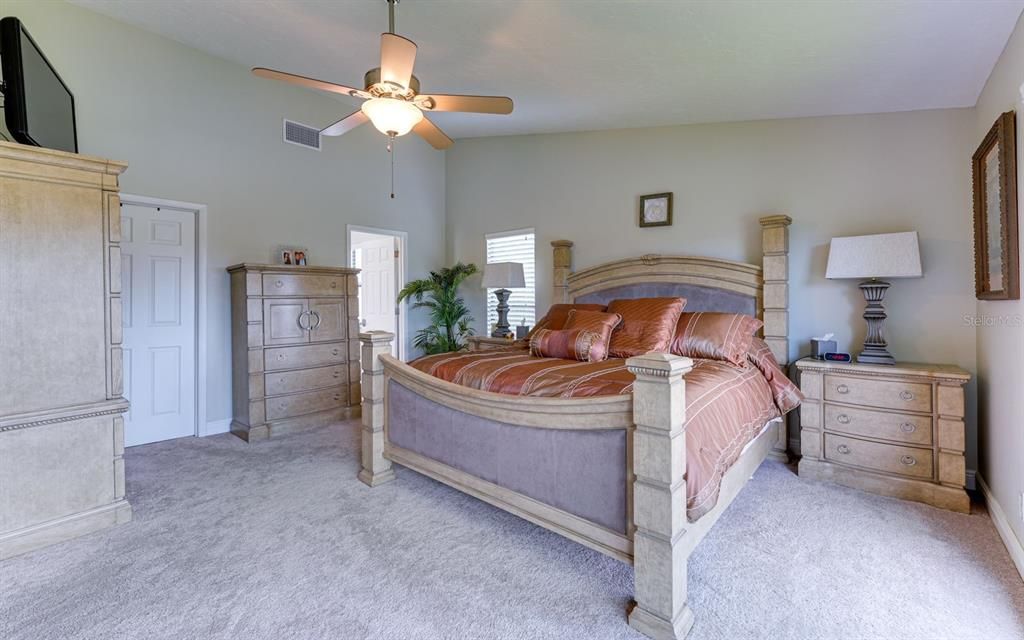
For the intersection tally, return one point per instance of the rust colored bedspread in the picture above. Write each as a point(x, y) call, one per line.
point(726, 405)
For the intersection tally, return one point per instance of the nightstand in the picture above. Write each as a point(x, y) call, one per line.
point(485, 343)
point(894, 430)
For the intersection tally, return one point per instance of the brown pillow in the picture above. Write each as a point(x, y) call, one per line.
point(558, 314)
point(603, 324)
point(647, 325)
point(716, 336)
point(787, 395)
point(569, 344)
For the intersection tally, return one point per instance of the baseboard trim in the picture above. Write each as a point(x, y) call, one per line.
point(65, 528)
point(971, 479)
point(1010, 540)
point(216, 426)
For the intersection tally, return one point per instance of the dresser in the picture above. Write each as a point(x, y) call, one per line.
point(894, 430)
point(295, 347)
point(61, 396)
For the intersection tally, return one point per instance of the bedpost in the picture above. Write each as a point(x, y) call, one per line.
point(659, 496)
point(376, 468)
point(562, 268)
point(775, 269)
point(775, 297)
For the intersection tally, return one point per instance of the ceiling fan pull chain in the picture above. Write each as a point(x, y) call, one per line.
point(391, 151)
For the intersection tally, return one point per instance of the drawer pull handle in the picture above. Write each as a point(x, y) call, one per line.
point(908, 460)
point(280, 356)
point(906, 395)
point(334, 285)
point(843, 389)
point(279, 284)
point(843, 418)
point(337, 397)
point(334, 351)
point(843, 449)
point(908, 427)
point(337, 374)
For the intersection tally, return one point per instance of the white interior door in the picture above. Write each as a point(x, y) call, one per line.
point(375, 255)
point(158, 247)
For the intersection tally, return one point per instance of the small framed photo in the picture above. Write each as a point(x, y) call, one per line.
point(294, 256)
point(656, 210)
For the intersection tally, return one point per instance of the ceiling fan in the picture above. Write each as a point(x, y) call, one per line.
point(394, 103)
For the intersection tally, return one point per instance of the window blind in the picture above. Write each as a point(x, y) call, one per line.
point(514, 246)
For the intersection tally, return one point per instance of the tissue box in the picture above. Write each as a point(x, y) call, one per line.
point(820, 347)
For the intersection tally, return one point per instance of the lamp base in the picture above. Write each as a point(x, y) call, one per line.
point(875, 351)
point(501, 329)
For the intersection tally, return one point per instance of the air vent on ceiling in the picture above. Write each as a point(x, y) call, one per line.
point(302, 135)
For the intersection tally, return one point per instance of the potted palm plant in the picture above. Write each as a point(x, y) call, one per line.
point(449, 316)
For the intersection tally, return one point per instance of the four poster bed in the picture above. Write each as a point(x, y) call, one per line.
point(607, 471)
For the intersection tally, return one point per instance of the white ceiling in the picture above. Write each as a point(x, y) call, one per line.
point(575, 65)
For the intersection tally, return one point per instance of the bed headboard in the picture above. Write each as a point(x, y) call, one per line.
point(708, 284)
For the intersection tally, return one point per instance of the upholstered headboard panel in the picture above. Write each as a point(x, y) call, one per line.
point(698, 298)
point(708, 284)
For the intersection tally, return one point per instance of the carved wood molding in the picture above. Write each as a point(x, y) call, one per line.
point(738, 277)
point(25, 421)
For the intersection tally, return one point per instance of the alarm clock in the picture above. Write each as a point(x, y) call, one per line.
point(833, 356)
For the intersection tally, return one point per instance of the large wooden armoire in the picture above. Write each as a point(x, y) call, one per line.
point(295, 345)
point(61, 404)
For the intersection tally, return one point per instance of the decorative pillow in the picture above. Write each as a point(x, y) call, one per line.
point(558, 314)
point(603, 324)
point(569, 344)
point(647, 325)
point(787, 395)
point(716, 336)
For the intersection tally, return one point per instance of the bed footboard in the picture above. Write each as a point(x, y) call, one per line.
point(657, 539)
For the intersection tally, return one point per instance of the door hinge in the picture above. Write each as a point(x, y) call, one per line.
point(396, 253)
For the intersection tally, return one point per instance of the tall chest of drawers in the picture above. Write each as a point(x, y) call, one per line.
point(897, 431)
point(295, 347)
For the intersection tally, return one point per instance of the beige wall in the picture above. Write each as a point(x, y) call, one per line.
point(835, 176)
point(200, 129)
point(1001, 335)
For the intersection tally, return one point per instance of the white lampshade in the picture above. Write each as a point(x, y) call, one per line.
point(392, 116)
point(884, 255)
point(503, 275)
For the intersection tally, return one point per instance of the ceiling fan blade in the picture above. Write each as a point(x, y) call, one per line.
point(397, 57)
point(346, 124)
point(471, 104)
point(309, 83)
point(429, 132)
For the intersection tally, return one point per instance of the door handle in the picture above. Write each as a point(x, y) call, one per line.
point(299, 321)
point(318, 319)
point(362, 323)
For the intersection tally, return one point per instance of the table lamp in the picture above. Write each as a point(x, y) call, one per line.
point(886, 255)
point(500, 276)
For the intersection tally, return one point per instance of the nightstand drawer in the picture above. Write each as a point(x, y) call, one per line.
point(887, 394)
point(890, 458)
point(900, 427)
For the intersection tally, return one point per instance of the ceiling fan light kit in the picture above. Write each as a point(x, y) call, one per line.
point(394, 103)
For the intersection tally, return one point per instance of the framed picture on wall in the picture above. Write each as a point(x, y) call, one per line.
point(656, 210)
point(996, 243)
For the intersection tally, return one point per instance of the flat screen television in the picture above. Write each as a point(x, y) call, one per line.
point(39, 109)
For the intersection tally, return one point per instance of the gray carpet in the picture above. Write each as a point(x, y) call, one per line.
point(278, 540)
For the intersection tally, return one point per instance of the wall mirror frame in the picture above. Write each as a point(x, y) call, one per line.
point(996, 243)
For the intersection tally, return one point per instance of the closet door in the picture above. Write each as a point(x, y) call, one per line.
point(286, 321)
point(329, 317)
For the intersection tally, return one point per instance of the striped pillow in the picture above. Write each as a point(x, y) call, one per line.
point(568, 344)
point(715, 336)
point(647, 325)
point(558, 315)
point(603, 324)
